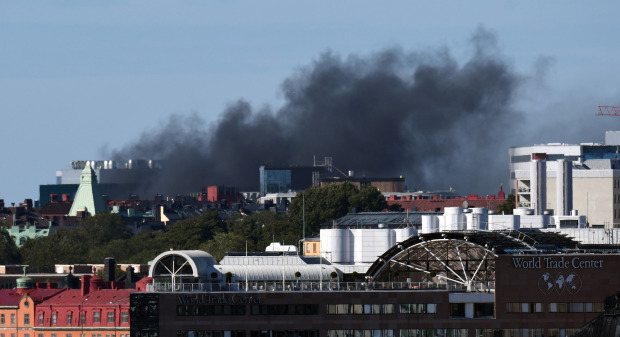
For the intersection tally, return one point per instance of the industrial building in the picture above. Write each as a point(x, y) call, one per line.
point(453, 283)
point(544, 176)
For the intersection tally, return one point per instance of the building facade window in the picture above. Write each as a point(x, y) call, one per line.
point(12, 319)
point(40, 319)
point(418, 308)
point(457, 309)
point(524, 307)
point(69, 319)
point(26, 319)
point(359, 309)
point(576, 307)
point(110, 317)
point(82, 318)
point(124, 317)
point(53, 319)
point(96, 317)
point(2, 319)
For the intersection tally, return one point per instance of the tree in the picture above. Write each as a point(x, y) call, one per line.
point(223, 243)
point(368, 199)
point(190, 233)
point(332, 202)
point(8, 250)
point(508, 206)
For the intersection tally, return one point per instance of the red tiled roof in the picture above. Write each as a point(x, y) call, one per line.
point(96, 298)
point(11, 297)
point(429, 205)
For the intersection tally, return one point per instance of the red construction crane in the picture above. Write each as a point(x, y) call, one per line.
point(604, 110)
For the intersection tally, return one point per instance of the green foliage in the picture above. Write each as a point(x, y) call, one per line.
point(8, 250)
point(223, 243)
point(333, 201)
point(190, 233)
point(77, 245)
point(368, 199)
point(105, 234)
point(508, 206)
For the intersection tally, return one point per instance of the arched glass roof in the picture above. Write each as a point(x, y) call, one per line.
point(193, 263)
point(460, 257)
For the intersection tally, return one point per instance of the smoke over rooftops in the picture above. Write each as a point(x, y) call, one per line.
point(438, 122)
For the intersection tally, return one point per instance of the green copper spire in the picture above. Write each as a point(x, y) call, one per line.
point(88, 198)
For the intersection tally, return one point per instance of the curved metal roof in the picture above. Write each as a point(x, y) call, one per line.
point(198, 260)
point(496, 242)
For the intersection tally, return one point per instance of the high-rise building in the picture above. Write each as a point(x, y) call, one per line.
point(570, 177)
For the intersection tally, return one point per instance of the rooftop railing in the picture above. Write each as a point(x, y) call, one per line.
point(318, 286)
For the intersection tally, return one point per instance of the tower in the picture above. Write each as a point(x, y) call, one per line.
point(87, 198)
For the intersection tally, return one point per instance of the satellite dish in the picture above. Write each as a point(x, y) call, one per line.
point(465, 204)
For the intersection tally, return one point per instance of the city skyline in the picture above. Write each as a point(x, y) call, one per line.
point(84, 80)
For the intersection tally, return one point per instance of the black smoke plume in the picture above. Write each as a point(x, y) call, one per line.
point(424, 115)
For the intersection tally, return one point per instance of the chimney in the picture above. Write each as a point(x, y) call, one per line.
point(65, 198)
point(109, 265)
point(85, 284)
point(54, 197)
point(130, 275)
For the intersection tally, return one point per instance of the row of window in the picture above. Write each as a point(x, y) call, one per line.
point(403, 333)
point(479, 310)
point(240, 310)
point(576, 307)
point(554, 332)
point(3, 319)
point(361, 333)
point(378, 309)
point(555, 307)
point(359, 309)
point(69, 316)
point(524, 307)
point(433, 333)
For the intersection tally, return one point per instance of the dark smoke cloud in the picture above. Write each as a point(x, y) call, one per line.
point(438, 122)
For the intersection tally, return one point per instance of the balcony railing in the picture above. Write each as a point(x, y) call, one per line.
point(318, 286)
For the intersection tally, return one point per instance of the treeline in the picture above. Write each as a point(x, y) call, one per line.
point(105, 235)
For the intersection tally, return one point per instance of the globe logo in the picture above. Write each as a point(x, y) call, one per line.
point(571, 283)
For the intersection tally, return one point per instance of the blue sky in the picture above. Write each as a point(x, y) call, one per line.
point(79, 78)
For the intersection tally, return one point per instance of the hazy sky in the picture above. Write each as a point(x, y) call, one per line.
point(81, 78)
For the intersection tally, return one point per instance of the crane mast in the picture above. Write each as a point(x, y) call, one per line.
point(606, 110)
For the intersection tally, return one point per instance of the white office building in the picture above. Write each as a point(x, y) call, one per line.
point(558, 178)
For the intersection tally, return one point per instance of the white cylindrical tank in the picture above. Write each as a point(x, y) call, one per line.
point(336, 245)
point(477, 219)
point(403, 234)
point(523, 211)
point(370, 243)
point(454, 219)
point(430, 224)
